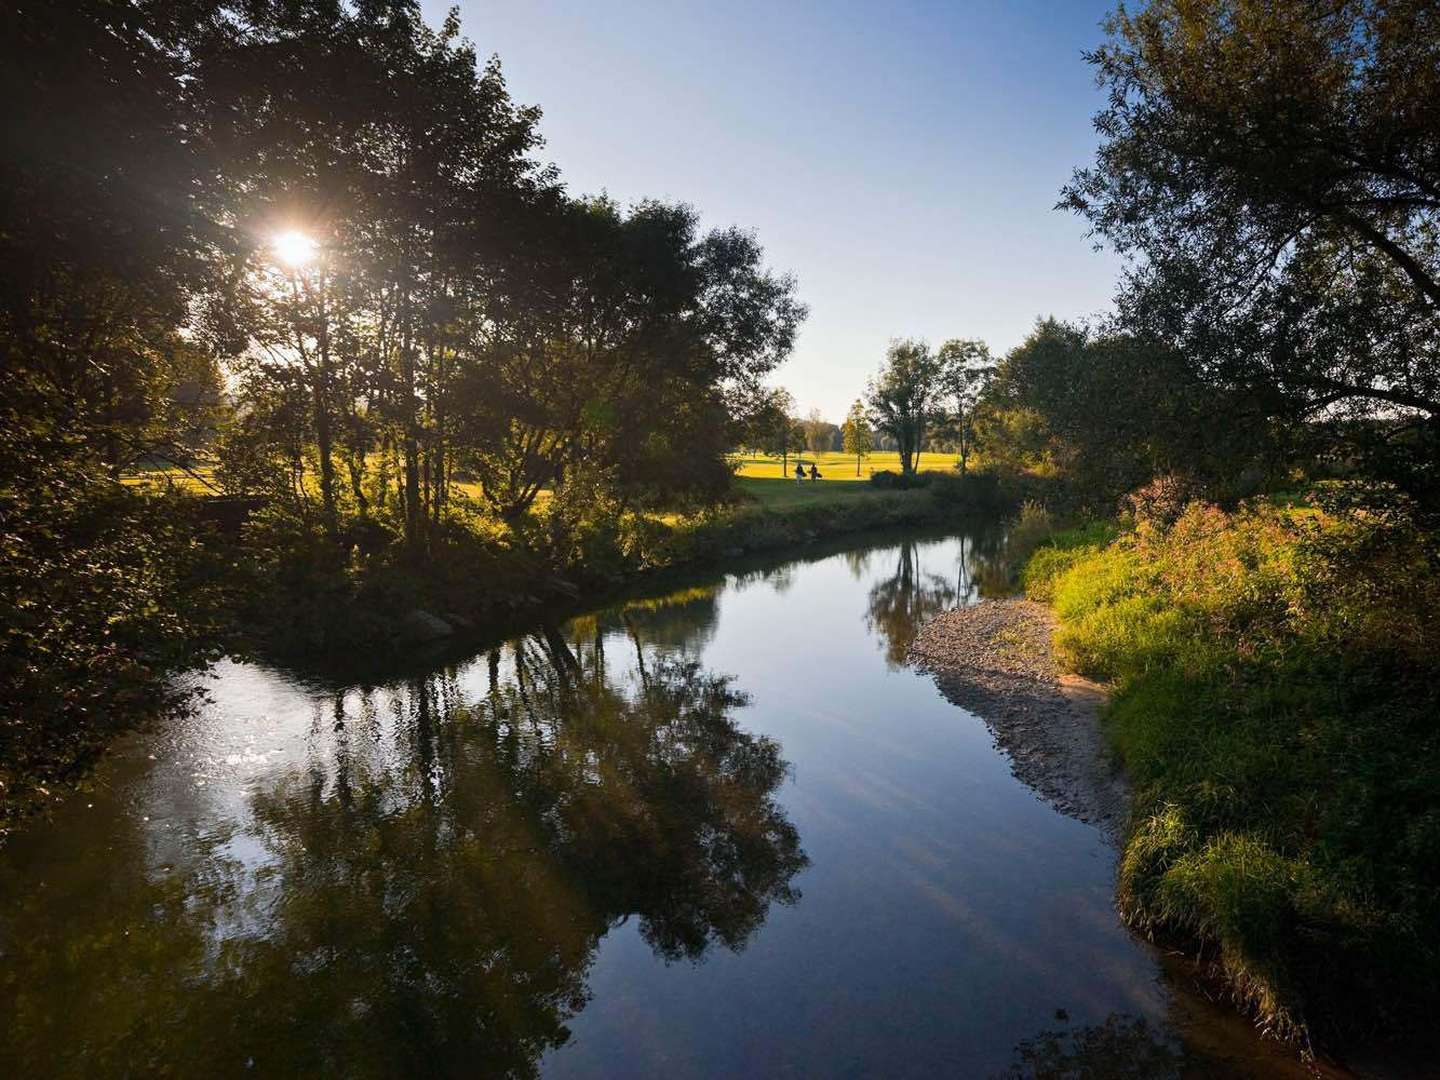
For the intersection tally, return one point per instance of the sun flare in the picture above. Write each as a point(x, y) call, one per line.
point(294, 248)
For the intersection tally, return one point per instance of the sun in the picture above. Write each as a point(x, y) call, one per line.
point(294, 248)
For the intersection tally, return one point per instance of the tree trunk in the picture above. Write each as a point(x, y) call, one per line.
point(324, 437)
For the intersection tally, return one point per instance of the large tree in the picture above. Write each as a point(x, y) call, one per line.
point(905, 396)
point(1273, 169)
point(965, 371)
point(1111, 411)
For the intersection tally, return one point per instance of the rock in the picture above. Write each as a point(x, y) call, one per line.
point(418, 625)
point(995, 660)
point(458, 621)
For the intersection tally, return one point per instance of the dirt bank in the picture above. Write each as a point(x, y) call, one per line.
point(995, 660)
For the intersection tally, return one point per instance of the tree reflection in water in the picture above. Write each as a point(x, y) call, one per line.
point(1122, 1048)
point(427, 893)
point(902, 603)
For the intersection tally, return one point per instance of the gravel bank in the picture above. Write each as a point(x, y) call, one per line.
point(995, 660)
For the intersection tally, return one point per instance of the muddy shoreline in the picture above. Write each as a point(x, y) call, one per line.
point(995, 660)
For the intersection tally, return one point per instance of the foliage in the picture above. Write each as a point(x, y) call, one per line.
point(965, 372)
point(446, 326)
point(886, 480)
point(1057, 551)
point(1275, 676)
point(904, 397)
point(856, 434)
point(106, 597)
point(1271, 168)
point(1109, 413)
point(819, 433)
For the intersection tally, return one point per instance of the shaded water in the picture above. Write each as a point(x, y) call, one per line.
point(722, 831)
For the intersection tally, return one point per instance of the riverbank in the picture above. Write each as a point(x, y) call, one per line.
point(995, 660)
point(298, 609)
point(279, 590)
point(1274, 677)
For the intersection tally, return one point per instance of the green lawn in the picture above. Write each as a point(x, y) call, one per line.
point(835, 466)
point(773, 493)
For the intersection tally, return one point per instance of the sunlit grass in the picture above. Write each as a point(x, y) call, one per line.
point(1274, 708)
point(758, 478)
point(837, 466)
point(773, 493)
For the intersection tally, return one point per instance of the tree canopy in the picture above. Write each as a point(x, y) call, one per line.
point(1273, 169)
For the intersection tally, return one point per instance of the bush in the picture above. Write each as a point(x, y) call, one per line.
point(973, 492)
point(106, 594)
point(1275, 680)
point(1160, 502)
point(889, 480)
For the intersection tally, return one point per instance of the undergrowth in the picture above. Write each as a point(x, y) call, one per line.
point(1275, 705)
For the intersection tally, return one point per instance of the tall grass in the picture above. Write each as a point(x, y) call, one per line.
point(1276, 706)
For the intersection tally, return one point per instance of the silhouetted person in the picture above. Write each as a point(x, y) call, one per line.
point(799, 473)
point(814, 472)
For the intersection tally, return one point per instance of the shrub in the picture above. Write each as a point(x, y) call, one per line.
point(1058, 553)
point(974, 492)
point(1160, 502)
point(1276, 680)
point(889, 480)
point(1032, 528)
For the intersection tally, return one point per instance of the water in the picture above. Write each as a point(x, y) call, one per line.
point(717, 832)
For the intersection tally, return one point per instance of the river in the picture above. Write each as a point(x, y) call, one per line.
point(719, 830)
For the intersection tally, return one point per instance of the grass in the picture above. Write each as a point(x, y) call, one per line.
point(1275, 679)
point(757, 478)
point(773, 493)
point(836, 466)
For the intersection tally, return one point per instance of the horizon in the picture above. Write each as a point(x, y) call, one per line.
point(952, 244)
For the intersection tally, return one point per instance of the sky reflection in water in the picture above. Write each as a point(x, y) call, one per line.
point(714, 832)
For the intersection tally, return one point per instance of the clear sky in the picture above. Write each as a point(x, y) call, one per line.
point(901, 158)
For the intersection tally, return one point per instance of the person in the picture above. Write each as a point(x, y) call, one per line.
point(814, 472)
point(799, 473)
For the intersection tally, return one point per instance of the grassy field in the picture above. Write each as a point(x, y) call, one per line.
point(773, 493)
point(758, 477)
point(835, 466)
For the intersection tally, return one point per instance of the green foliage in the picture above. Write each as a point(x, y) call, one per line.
point(965, 373)
point(888, 480)
point(1058, 552)
point(1108, 413)
point(856, 436)
point(1270, 168)
point(904, 398)
point(1276, 683)
point(107, 595)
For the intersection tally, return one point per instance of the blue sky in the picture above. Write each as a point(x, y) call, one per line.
point(901, 159)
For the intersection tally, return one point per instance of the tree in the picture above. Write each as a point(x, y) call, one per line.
point(903, 396)
point(780, 434)
point(1110, 412)
point(1273, 170)
point(965, 371)
point(857, 433)
point(819, 433)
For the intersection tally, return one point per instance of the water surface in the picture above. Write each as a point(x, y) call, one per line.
point(720, 831)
